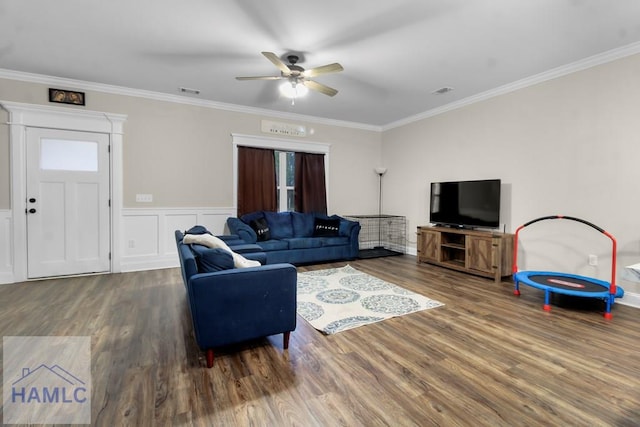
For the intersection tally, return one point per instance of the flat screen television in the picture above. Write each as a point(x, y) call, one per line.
point(466, 204)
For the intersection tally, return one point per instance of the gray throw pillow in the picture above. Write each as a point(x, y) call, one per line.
point(211, 260)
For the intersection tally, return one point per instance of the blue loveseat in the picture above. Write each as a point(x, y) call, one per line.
point(230, 305)
point(298, 238)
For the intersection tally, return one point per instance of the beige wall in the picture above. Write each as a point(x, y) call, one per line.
point(567, 146)
point(182, 154)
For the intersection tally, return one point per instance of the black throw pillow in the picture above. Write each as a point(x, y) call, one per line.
point(326, 227)
point(198, 229)
point(261, 228)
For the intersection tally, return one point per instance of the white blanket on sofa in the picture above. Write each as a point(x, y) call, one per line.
point(214, 242)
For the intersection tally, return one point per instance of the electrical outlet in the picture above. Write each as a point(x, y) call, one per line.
point(593, 260)
point(144, 198)
point(132, 244)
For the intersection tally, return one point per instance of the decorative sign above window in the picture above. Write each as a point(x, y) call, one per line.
point(283, 128)
point(66, 96)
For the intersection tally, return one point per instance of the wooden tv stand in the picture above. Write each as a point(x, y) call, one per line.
point(483, 253)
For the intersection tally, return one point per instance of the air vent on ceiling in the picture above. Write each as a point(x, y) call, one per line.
point(191, 91)
point(442, 90)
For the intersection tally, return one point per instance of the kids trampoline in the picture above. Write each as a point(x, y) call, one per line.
point(565, 283)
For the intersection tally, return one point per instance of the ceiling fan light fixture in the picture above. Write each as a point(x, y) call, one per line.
point(293, 90)
point(298, 80)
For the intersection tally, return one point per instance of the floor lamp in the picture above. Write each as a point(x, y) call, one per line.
point(380, 171)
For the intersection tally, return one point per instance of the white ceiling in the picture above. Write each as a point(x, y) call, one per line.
point(395, 53)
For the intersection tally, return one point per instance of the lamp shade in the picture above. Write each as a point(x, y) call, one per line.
point(380, 170)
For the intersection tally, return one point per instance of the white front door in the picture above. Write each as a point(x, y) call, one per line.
point(67, 202)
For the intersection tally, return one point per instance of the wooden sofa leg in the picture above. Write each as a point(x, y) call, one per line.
point(209, 358)
point(286, 336)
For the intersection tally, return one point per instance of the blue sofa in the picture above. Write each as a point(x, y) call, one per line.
point(230, 305)
point(298, 238)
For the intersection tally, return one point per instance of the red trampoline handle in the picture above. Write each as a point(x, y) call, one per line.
point(612, 288)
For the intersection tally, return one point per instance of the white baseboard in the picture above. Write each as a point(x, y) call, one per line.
point(631, 299)
point(143, 263)
point(6, 278)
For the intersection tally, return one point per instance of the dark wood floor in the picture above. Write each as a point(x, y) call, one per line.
point(485, 358)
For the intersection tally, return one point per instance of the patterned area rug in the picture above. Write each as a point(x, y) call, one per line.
point(338, 299)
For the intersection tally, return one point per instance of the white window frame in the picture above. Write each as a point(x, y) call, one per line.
point(283, 189)
point(254, 141)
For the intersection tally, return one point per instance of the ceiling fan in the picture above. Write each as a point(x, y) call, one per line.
point(296, 75)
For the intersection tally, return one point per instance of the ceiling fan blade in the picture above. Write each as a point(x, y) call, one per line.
point(319, 87)
point(277, 62)
point(260, 78)
point(325, 69)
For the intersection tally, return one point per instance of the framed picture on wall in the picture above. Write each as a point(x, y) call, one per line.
point(66, 96)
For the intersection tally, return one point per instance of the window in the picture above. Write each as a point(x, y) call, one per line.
point(69, 155)
point(285, 173)
point(245, 193)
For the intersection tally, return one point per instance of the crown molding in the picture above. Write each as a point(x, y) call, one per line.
point(159, 96)
point(592, 61)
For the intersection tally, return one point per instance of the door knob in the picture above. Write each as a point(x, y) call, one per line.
point(32, 200)
point(32, 210)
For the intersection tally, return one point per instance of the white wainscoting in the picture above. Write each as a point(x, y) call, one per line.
point(6, 252)
point(148, 233)
point(149, 242)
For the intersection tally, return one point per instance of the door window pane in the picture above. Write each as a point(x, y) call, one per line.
point(69, 155)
